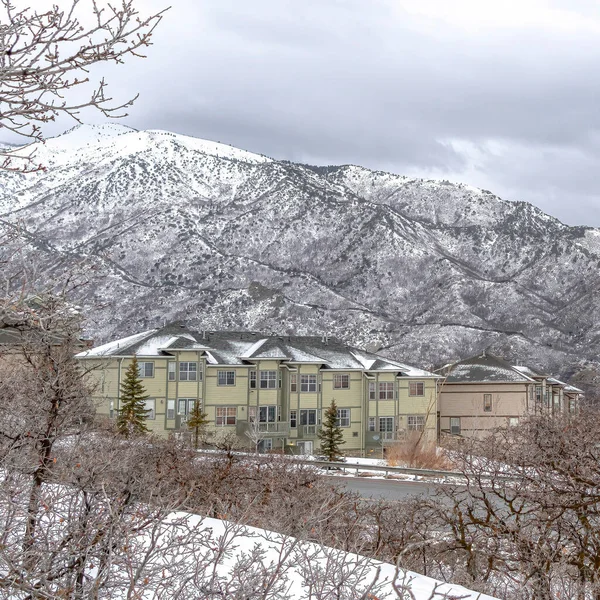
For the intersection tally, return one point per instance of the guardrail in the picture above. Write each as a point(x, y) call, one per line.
point(387, 470)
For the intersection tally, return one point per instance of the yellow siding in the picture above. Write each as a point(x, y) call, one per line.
point(224, 395)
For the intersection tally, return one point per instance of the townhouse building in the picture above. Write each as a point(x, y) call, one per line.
point(277, 386)
point(485, 391)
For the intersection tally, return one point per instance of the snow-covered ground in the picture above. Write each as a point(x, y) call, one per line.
point(306, 570)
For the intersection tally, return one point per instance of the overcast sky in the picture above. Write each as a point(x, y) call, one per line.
point(501, 94)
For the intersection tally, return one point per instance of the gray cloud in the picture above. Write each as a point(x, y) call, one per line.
point(508, 100)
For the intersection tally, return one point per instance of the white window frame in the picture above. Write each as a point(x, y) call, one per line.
point(170, 409)
point(386, 390)
point(293, 419)
point(415, 422)
point(308, 412)
point(416, 392)
point(228, 378)
point(372, 391)
point(150, 407)
point(455, 426)
point(252, 379)
point(293, 383)
point(171, 368)
point(487, 407)
point(308, 383)
point(268, 380)
point(343, 417)
point(187, 373)
point(228, 413)
point(143, 369)
point(341, 381)
point(372, 424)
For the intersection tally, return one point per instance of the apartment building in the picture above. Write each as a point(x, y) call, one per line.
point(484, 392)
point(276, 385)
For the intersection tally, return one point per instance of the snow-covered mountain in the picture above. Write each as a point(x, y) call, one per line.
point(174, 227)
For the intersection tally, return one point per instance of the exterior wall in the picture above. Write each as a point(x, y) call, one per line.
point(466, 401)
point(358, 440)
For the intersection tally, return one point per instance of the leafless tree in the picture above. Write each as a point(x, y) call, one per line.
point(526, 523)
point(47, 54)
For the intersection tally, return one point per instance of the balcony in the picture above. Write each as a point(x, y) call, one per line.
point(264, 430)
point(309, 431)
point(281, 428)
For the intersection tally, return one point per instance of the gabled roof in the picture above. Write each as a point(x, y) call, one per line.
point(485, 368)
point(567, 386)
point(243, 348)
point(529, 372)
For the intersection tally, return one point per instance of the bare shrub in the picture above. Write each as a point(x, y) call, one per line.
point(416, 451)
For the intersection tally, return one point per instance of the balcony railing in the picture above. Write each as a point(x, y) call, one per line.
point(310, 430)
point(278, 427)
point(263, 430)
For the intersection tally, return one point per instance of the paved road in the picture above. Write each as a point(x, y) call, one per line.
point(385, 488)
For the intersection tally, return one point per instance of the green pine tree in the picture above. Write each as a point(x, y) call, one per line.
point(133, 413)
point(197, 423)
point(331, 434)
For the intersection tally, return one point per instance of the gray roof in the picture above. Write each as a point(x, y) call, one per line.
point(485, 368)
point(245, 347)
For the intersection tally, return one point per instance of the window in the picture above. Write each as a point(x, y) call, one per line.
point(487, 403)
point(171, 370)
point(386, 390)
point(252, 380)
point(293, 382)
point(226, 415)
point(170, 409)
point(416, 388)
point(308, 383)
point(225, 377)
point(268, 380)
point(146, 369)
point(266, 414)
point(341, 381)
point(416, 422)
point(343, 417)
point(188, 371)
point(372, 424)
point(372, 391)
point(386, 427)
point(538, 394)
point(150, 406)
point(293, 418)
point(111, 409)
point(455, 425)
point(572, 405)
point(185, 406)
point(265, 445)
point(308, 416)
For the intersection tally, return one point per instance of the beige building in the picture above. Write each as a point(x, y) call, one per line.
point(276, 386)
point(484, 392)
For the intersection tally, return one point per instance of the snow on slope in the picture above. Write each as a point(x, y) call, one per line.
point(308, 558)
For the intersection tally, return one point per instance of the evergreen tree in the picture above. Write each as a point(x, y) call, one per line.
point(133, 413)
point(197, 423)
point(331, 434)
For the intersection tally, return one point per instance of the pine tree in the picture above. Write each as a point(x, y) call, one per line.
point(133, 413)
point(197, 423)
point(331, 434)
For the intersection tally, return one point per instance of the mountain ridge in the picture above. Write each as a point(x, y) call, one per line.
point(182, 228)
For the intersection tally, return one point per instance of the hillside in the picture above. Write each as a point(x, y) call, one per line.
point(166, 226)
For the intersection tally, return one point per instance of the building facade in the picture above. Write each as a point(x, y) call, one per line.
point(483, 392)
point(271, 387)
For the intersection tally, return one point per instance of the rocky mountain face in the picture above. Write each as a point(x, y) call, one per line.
point(164, 226)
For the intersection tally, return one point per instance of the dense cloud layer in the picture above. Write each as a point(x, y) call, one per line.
point(501, 95)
